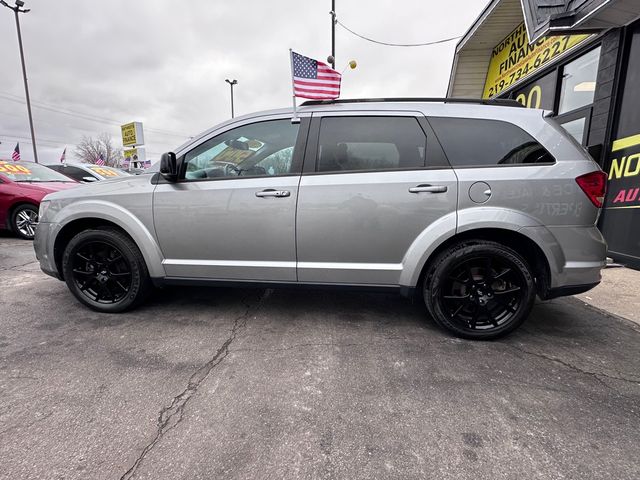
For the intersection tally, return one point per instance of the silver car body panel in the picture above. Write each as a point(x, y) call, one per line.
point(350, 228)
point(125, 202)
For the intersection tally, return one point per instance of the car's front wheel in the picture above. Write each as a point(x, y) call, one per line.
point(105, 270)
point(479, 290)
point(24, 220)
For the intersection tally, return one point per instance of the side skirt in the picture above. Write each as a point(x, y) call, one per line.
point(198, 282)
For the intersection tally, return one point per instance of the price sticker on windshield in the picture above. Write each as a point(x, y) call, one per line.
point(14, 169)
point(104, 172)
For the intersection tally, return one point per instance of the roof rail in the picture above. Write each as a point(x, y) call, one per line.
point(498, 101)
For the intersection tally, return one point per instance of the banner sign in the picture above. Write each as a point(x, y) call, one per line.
point(514, 59)
point(624, 174)
point(132, 134)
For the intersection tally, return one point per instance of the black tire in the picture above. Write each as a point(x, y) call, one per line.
point(105, 270)
point(479, 290)
point(23, 220)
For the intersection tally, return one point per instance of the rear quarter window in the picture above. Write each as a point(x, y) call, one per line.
point(470, 142)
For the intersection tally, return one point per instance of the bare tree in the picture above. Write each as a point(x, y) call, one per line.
point(89, 150)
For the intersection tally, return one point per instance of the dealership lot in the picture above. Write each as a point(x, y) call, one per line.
point(222, 383)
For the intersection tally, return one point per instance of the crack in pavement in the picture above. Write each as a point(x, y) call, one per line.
point(595, 375)
point(171, 416)
point(321, 344)
point(16, 267)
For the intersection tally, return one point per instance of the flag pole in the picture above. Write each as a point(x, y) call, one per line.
point(295, 118)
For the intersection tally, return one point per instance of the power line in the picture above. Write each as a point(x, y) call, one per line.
point(84, 116)
point(435, 42)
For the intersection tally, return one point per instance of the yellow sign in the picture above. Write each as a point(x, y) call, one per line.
point(15, 169)
point(514, 59)
point(233, 155)
point(105, 172)
point(130, 155)
point(132, 134)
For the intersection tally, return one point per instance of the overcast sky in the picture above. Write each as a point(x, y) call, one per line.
point(164, 62)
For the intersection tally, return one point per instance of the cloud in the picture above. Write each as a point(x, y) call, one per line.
point(164, 62)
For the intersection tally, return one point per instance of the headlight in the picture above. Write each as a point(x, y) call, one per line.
point(44, 206)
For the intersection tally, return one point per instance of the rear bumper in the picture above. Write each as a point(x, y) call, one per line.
point(568, 290)
point(576, 255)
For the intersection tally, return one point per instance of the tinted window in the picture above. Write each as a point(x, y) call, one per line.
point(258, 149)
point(370, 143)
point(475, 142)
point(75, 173)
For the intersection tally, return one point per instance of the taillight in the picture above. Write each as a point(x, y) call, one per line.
point(594, 184)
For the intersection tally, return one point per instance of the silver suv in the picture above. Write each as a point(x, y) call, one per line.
point(474, 206)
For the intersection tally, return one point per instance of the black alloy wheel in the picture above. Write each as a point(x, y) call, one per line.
point(105, 270)
point(24, 221)
point(101, 272)
point(480, 290)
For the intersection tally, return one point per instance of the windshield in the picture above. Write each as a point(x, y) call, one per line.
point(30, 172)
point(108, 172)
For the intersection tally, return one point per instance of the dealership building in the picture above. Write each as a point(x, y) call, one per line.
point(579, 59)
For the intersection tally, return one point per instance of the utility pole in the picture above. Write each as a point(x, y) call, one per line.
point(231, 83)
point(18, 9)
point(333, 34)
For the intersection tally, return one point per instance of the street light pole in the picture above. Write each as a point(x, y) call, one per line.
point(18, 9)
point(333, 34)
point(231, 83)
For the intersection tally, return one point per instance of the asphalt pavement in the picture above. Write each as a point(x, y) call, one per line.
point(278, 384)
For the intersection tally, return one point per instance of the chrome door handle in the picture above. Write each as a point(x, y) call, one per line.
point(428, 189)
point(270, 192)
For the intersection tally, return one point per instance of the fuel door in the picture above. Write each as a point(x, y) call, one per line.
point(480, 192)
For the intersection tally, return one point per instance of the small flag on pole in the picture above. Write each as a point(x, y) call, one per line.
point(64, 155)
point(313, 79)
point(15, 156)
point(100, 160)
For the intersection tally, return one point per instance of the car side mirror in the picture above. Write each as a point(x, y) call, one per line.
point(89, 179)
point(169, 166)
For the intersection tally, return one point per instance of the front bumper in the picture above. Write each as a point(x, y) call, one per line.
point(43, 247)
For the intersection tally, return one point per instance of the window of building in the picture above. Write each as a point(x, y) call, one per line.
point(579, 82)
point(348, 144)
point(470, 142)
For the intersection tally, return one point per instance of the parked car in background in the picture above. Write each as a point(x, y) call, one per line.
point(87, 172)
point(22, 187)
point(475, 206)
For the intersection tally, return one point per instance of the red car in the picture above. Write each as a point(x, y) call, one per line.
point(22, 187)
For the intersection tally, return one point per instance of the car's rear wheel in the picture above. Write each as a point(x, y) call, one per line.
point(479, 290)
point(24, 220)
point(105, 270)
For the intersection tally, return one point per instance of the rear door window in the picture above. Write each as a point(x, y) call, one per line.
point(470, 142)
point(352, 143)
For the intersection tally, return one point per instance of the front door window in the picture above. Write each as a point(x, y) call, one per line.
point(255, 150)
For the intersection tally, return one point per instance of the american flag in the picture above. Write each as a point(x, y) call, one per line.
point(314, 79)
point(64, 155)
point(100, 160)
point(15, 156)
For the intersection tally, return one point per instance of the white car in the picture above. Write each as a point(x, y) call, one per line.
point(87, 172)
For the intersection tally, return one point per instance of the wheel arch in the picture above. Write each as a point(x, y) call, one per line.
point(127, 224)
point(517, 240)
